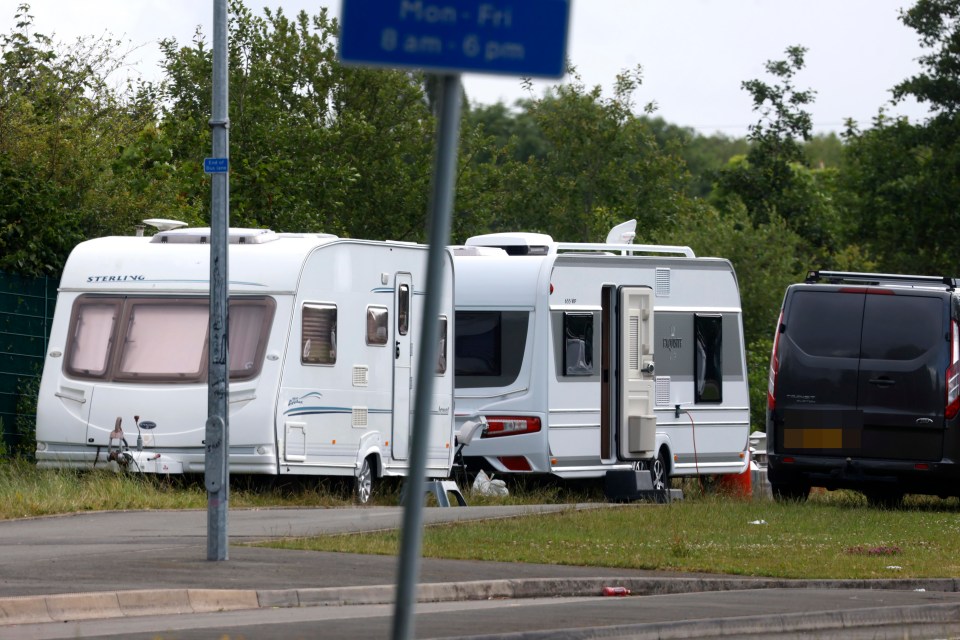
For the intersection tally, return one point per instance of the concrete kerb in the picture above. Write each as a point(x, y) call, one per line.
point(79, 606)
point(117, 604)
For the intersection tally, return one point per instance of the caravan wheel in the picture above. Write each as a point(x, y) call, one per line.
point(658, 471)
point(363, 483)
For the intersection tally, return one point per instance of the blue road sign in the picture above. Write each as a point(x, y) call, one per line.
point(216, 165)
point(515, 37)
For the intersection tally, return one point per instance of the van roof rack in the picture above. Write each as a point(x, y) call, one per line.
point(836, 277)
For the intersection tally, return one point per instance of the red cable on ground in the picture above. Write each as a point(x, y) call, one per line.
point(696, 460)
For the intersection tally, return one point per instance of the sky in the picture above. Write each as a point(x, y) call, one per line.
point(694, 53)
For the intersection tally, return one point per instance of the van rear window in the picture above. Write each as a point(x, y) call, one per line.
point(885, 321)
point(825, 323)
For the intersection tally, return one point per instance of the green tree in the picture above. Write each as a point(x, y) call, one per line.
point(62, 120)
point(598, 164)
point(937, 22)
point(902, 179)
point(775, 143)
point(314, 145)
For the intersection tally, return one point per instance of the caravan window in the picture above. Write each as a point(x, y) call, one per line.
point(377, 325)
point(161, 339)
point(250, 321)
point(578, 344)
point(442, 347)
point(164, 339)
point(489, 347)
point(403, 309)
point(318, 340)
point(92, 328)
point(708, 358)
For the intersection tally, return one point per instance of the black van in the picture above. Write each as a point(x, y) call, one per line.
point(863, 387)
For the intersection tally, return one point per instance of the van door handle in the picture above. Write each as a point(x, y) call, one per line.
point(882, 382)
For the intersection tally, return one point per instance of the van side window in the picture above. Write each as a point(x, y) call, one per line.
point(318, 341)
point(377, 325)
point(708, 358)
point(403, 309)
point(442, 346)
point(578, 344)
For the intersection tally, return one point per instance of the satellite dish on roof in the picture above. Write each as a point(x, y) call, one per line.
point(623, 233)
point(162, 224)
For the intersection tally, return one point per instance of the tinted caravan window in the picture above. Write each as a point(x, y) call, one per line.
point(825, 323)
point(708, 357)
point(489, 347)
point(442, 346)
point(577, 344)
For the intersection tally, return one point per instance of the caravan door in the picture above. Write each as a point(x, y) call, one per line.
point(635, 381)
point(402, 370)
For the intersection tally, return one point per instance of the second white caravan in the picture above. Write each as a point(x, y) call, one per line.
point(323, 344)
point(585, 358)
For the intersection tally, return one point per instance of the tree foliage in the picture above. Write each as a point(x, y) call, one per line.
point(63, 131)
point(319, 146)
point(314, 145)
point(937, 22)
point(901, 179)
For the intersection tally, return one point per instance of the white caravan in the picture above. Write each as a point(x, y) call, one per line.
point(586, 358)
point(323, 341)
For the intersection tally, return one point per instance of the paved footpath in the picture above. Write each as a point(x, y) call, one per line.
point(119, 564)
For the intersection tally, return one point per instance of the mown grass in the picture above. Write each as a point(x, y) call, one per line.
point(833, 535)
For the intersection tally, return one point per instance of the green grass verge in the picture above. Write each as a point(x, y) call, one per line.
point(833, 535)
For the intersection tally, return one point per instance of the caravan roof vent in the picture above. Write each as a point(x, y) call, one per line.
point(515, 244)
point(202, 236)
point(162, 224)
point(477, 251)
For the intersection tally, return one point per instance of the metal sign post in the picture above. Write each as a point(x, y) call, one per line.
point(518, 37)
point(217, 436)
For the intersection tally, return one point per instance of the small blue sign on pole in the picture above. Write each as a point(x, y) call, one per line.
point(514, 37)
point(216, 165)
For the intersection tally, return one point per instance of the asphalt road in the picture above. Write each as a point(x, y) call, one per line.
point(145, 575)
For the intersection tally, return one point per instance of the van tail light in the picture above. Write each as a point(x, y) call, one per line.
point(510, 426)
point(774, 367)
point(953, 374)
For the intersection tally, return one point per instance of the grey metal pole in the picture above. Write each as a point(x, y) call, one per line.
point(217, 441)
point(441, 205)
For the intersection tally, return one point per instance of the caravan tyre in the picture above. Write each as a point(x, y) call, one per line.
point(363, 483)
point(658, 471)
